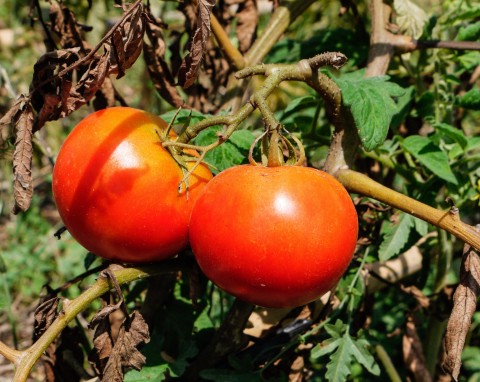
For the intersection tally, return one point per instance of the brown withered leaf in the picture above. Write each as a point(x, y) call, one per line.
point(413, 355)
point(247, 20)
point(126, 42)
point(64, 24)
point(464, 305)
point(103, 340)
point(22, 159)
point(154, 55)
point(125, 354)
point(105, 96)
point(190, 67)
point(8, 119)
point(44, 315)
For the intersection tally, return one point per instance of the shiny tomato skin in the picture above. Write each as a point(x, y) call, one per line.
point(274, 236)
point(116, 187)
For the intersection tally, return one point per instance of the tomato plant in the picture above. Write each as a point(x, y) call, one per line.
point(116, 187)
point(274, 236)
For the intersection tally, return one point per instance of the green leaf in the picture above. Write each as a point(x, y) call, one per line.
point(371, 104)
point(395, 236)
point(430, 156)
point(338, 369)
point(470, 100)
point(453, 133)
point(183, 116)
point(363, 356)
point(469, 33)
point(326, 347)
point(421, 226)
point(230, 153)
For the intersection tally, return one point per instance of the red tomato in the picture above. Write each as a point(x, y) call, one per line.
point(116, 187)
point(274, 236)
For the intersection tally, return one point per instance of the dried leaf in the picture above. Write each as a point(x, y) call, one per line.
point(8, 119)
point(190, 67)
point(125, 355)
point(413, 354)
point(103, 341)
point(126, 42)
point(22, 159)
point(64, 24)
point(410, 17)
point(247, 16)
point(105, 96)
point(158, 69)
point(44, 315)
point(464, 305)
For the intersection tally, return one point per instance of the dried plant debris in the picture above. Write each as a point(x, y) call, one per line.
point(413, 354)
point(154, 55)
point(190, 67)
point(45, 314)
point(247, 20)
point(66, 79)
point(464, 306)
point(22, 157)
point(113, 354)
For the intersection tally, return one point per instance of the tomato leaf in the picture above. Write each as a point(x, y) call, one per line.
point(231, 153)
point(371, 102)
point(453, 133)
point(395, 236)
point(470, 100)
point(430, 156)
point(344, 349)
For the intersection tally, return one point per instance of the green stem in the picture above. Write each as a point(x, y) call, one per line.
point(27, 359)
point(387, 363)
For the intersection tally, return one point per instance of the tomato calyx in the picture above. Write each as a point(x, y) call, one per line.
point(278, 150)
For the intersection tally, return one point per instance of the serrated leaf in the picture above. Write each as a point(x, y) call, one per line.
point(326, 347)
point(430, 156)
point(469, 33)
point(338, 369)
point(453, 133)
point(363, 356)
point(230, 153)
point(410, 17)
point(395, 237)
point(371, 104)
point(470, 100)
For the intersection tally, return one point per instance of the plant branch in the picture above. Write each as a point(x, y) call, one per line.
point(232, 53)
point(14, 356)
point(26, 359)
point(447, 220)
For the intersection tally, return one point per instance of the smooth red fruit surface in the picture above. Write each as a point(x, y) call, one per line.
point(116, 187)
point(274, 236)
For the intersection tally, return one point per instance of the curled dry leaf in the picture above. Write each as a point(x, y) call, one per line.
point(416, 293)
point(154, 54)
point(190, 67)
point(22, 158)
point(126, 42)
point(64, 24)
point(44, 315)
point(464, 306)
point(413, 354)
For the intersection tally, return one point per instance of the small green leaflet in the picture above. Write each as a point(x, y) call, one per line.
point(395, 236)
point(230, 153)
point(371, 103)
point(469, 33)
point(430, 156)
point(453, 133)
point(343, 350)
point(470, 100)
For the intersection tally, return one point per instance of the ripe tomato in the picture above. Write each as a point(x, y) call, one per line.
point(274, 236)
point(116, 187)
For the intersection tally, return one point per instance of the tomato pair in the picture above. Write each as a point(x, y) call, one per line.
point(273, 236)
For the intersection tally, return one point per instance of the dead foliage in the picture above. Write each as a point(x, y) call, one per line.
point(413, 355)
point(464, 306)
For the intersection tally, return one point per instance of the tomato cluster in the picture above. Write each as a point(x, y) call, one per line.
point(274, 236)
point(116, 187)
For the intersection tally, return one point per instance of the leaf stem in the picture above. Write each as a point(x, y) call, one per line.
point(387, 363)
point(232, 53)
